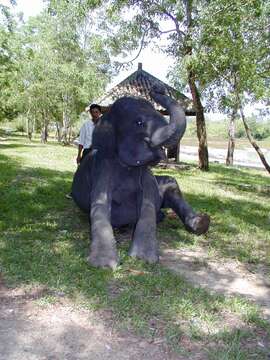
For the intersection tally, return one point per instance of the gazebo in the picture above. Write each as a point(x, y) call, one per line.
point(138, 84)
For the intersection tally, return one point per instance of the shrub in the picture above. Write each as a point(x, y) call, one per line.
point(20, 124)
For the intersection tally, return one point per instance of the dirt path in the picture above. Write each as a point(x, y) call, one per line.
point(29, 331)
point(227, 277)
point(59, 331)
point(223, 276)
point(247, 157)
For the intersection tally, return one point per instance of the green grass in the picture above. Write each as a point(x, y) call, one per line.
point(238, 203)
point(44, 241)
point(220, 142)
point(217, 134)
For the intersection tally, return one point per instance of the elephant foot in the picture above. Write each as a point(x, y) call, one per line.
point(104, 258)
point(148, 255)
point(198, 224)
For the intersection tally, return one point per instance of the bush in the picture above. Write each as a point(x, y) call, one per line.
point(259, 130)
point(240, 131)
point(20, 124)
point(261, 133)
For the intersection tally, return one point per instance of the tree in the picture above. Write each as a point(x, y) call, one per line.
point(233, 56)
point(7, 64)
point(62, 66)
point(144, 23)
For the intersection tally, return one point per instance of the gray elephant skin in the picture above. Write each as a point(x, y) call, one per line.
point(116, 187)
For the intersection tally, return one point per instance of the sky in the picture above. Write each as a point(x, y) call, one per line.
point(28, 7)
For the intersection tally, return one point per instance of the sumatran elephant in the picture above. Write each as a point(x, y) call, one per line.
point(116, 187)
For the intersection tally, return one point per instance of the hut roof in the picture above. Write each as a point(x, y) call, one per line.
point(138, 84)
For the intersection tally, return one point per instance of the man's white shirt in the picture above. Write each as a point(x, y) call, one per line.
point(86, 133)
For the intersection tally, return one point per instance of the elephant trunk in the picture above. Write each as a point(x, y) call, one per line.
point(169, 135)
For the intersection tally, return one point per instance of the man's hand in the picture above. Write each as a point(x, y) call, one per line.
point(78, 159)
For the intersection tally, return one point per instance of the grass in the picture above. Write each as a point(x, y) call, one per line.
point(217, 134)
point(44, 241)
point(220, 142)
point(237, 201)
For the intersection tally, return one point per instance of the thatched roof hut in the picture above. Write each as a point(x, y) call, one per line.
point(138, 84)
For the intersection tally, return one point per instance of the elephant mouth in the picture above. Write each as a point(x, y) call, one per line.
point(140, 155)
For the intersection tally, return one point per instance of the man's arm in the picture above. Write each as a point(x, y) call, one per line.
point(79, 156)
point(81, 142)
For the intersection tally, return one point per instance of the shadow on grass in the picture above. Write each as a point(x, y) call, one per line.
point(242, 180)
point(238, 229)
point(220, 172)
point(28, 194)
point(229, 210)
point(15, 146)
point(240, 223)
point(44, 240)
point(44, 236)
point(34, 209)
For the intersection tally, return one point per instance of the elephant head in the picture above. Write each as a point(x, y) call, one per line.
point(136, 133)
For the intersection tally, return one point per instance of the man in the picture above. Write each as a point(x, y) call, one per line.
point(86, 132)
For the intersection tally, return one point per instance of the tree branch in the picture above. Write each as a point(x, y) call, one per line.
point(166, 31)
point(180, 33)
point(251, 139)
point(121, 64)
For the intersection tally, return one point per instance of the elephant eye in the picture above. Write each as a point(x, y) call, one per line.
point(139, 123)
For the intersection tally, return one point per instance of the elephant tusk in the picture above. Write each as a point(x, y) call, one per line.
point(148, 141)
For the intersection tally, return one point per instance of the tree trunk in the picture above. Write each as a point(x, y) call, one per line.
point(253, 142)
point(58, 132)
point(44, 130)
point(29, 128)
point(44, 134)
point(200, 122)
point(65, 128)
point(231, 142)
point(34, 125)
point(66, 120)
point(70, 134)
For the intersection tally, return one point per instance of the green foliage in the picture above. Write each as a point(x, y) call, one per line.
point(7, 63)
point(231, 50)
point(20, 124)
point(240, 131)
point(61, 65)
point(259, 130)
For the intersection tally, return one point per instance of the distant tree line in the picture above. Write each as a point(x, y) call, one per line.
point(51, 67)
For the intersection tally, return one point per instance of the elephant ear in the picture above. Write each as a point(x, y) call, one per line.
point(104, 136)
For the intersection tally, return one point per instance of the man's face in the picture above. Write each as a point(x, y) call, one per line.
point(95, 114)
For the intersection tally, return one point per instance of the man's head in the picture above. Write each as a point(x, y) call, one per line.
point(95, 111)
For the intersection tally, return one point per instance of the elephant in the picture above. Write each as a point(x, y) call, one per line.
point(114, 184)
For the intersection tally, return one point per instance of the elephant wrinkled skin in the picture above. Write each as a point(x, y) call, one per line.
point(115, 186)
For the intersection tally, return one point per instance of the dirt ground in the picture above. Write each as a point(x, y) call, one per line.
point(29, 331)
point(244, 157)
point(228, 277)
point(60, 331)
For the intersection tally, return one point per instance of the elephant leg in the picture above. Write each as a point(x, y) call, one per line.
point(172, 198)
point(144, 243)
point(103, 251)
